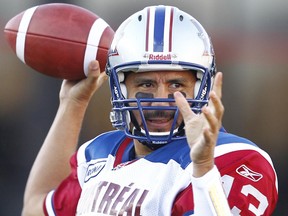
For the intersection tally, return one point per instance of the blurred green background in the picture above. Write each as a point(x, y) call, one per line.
point(251, 43)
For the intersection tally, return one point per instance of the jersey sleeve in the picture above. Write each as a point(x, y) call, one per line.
point(63, 201)
point(248, 179)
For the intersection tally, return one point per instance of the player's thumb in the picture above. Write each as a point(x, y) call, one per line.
point(93, 69)
point(94, 76)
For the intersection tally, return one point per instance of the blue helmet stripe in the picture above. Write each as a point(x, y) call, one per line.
point(159, 29)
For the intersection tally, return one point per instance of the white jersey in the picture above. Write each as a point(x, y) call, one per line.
point(106, 179)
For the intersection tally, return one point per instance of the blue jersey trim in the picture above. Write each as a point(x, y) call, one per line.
point(226, 138)
point(178, 150)
point(188, 213)
point(104, 145)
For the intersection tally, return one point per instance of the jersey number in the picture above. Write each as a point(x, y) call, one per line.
point(246, 190)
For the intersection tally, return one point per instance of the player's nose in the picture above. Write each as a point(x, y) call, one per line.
point(161, 92)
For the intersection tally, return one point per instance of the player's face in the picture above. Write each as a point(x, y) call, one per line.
point(159, 84)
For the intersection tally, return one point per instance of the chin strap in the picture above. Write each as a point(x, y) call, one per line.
point(150, 145)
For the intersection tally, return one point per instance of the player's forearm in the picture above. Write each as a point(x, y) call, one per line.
point(52, 163)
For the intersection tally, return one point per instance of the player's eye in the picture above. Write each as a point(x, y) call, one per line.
point(175, 85)
point(145, 85)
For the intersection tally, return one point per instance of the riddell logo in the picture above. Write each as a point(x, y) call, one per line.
point(160, 57)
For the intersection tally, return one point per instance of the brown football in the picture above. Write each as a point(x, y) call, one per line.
point(59, 40)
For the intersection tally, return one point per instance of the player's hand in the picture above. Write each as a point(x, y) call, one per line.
point(202, 130)
point(81, 91)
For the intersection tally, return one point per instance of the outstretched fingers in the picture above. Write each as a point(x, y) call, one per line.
point(183, 106)
point(215, 102)
point(212, 122)
point(217, 86)
point(214, 111)
point(216, 106)
point(193, 123)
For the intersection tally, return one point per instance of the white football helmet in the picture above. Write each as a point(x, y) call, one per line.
point(157, 38)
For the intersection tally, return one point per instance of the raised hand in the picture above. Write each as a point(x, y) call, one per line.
point(202, 130)
point(81, 91)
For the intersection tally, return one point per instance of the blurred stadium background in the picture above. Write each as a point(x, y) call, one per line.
point(251, 43)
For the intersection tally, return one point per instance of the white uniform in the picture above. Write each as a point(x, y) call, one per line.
point(106, 179)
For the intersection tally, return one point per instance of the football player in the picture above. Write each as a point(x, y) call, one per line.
point(170, 154)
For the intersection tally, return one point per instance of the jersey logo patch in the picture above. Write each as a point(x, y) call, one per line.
point(248, 173)
point(94, 169)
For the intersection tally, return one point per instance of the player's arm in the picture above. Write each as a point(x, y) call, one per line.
point(202, 133)
point(52, 163)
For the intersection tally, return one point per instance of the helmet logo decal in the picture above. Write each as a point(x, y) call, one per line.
point(159, 29)
point(204, 36)
point(160, 57)
point(113, 52)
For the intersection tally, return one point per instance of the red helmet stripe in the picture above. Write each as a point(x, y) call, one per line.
point(147, 30)
point(171, 27)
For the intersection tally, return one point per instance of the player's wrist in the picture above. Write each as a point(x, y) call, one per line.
point(73, 106)
point(200, 169)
